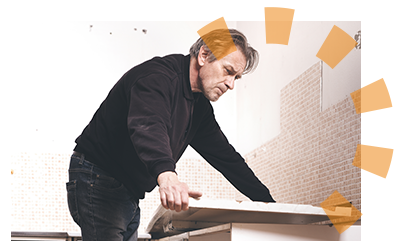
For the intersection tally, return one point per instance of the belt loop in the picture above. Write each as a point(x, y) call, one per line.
point(82, 159)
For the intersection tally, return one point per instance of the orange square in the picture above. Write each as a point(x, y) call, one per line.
point(218, 39)
point(371, 97)
point(375, 160)
point(336, 46)
point(278, 24)
point(375, 96)
point(340, 211)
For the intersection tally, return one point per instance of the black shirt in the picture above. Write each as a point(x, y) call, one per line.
point(147, 121)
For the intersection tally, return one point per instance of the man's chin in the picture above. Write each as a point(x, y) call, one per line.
point(214, 98)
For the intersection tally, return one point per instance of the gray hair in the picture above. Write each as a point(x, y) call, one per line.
point(240, 41)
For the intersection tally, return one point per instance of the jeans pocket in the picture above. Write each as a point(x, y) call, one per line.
point(72, 200)
point(107, 183)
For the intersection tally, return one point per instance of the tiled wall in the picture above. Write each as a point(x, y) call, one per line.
point(304, 164)
point(313, 154)
point(38, 194)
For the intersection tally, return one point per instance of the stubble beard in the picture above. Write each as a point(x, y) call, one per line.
point(210, 95)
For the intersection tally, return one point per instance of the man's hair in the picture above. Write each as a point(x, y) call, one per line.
point(217, 40)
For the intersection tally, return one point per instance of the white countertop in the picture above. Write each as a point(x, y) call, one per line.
point(205, 213)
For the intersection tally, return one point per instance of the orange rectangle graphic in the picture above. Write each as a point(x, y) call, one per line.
point(218, 39)
point(278, 24)
point(336, 46)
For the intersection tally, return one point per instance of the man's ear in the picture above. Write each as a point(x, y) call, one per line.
point(202, 57)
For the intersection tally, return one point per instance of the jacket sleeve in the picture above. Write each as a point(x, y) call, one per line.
point(149, 121)
point(214, 147)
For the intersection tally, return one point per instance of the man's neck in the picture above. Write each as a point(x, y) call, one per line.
point(194, 74)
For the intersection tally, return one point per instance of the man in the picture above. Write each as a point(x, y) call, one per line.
point(141, 130)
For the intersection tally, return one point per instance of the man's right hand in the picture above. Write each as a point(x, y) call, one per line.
point(174, 194)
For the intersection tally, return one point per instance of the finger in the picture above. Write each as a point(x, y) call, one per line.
point(163, 200)
point(185, 201)
point(178, 201)
point(195, 194)
point(171, 201)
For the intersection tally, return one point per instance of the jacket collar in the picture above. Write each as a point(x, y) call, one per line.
point(187, 88)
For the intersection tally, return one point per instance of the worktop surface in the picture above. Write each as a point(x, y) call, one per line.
point(205, 213)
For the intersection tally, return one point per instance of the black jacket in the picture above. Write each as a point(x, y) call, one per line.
point(147, 121)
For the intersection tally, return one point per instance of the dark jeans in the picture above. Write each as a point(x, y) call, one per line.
point(102, 206)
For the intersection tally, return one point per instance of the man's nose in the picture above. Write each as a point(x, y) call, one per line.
point(230, 82)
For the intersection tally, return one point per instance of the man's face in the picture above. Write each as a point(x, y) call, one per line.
point(217, 77)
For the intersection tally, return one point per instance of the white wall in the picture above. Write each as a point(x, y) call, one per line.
point(58, 73)
point(345, 78)
point(258, 94)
